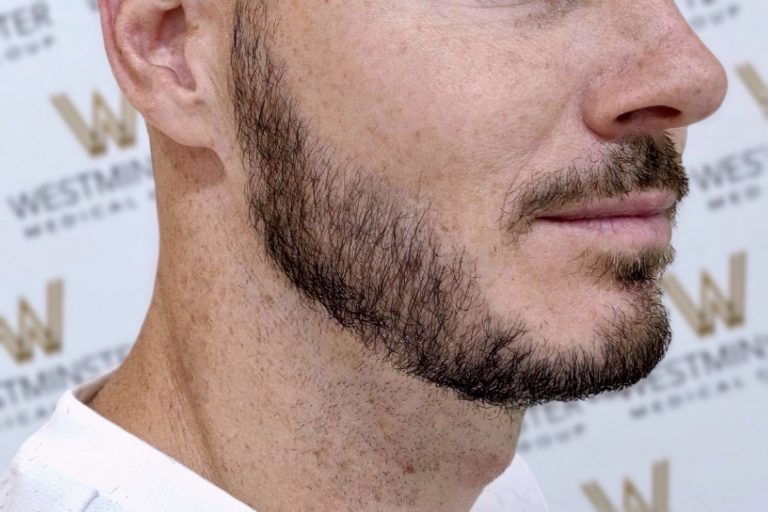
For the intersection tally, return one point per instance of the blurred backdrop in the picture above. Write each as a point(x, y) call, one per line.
point(78, 242)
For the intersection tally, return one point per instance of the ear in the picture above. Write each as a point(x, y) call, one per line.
point(166, 56)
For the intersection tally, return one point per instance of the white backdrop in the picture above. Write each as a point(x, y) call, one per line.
point(78, 242)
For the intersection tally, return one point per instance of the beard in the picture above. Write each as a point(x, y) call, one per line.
point(376, 265)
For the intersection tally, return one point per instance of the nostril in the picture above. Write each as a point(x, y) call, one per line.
point(664, 111)
point(660, 111)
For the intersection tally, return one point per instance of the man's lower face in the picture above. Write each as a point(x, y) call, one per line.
point(568, 307)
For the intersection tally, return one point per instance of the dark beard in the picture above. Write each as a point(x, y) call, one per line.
point(380, 270)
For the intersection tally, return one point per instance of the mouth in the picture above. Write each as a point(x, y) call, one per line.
point(638, 219)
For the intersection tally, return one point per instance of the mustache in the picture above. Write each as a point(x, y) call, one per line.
point(636, 163)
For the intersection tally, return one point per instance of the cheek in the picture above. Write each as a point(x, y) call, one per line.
point(453, 115)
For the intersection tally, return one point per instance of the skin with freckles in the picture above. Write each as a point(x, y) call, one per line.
point(388, 227)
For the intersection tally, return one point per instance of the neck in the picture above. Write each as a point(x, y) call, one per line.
point(236, 378)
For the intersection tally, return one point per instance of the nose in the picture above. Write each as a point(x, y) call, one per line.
point(658, 77)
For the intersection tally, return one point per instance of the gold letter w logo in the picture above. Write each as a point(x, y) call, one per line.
point(104, 123)
point(32, 330)
point(713, 302)
point(633, 500)
point(755, 84)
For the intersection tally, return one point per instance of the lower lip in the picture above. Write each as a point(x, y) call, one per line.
point(634, 230)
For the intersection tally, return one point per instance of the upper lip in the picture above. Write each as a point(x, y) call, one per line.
point(637, 204)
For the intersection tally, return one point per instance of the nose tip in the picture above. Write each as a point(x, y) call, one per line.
point(661, 82)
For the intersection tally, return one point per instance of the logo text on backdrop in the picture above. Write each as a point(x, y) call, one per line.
point(633, 500)
point(713, 302)
point(755, 84)
point(31, 330)
point(105, 124)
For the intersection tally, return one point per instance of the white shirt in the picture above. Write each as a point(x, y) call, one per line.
point(80, 461)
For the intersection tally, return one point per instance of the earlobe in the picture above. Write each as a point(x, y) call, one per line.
point(158, 64)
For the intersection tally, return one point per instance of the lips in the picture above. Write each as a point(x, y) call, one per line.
point(642, 204)
point(634, 220)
